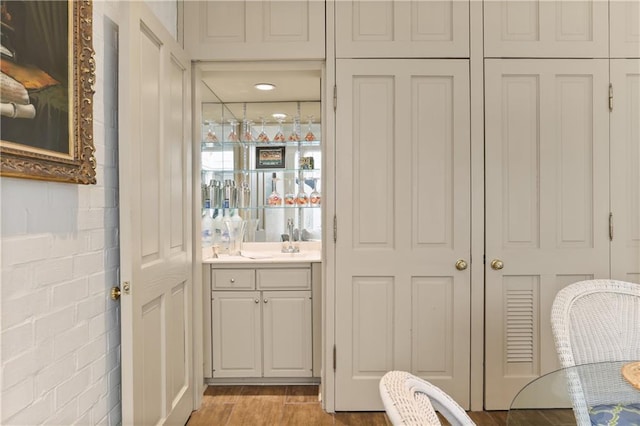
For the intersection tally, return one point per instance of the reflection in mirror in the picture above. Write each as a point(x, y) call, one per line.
point(237, 185)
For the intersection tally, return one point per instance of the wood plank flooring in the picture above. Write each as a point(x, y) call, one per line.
point(299, 405)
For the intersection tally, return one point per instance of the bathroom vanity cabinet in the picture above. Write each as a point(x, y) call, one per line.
point(261, 321)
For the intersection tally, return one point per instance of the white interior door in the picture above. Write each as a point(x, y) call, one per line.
point(403, 220)
point(402, 29)
point(625, 176)
point(547, 206)
point(624, 31)
point(256, 30)
point(155, 222)
point(546, 29)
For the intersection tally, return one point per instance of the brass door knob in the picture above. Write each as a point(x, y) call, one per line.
point(461, 265)
point(115, 293)
point(497, 264)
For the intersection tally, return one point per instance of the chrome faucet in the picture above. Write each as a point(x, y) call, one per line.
point(290, 248)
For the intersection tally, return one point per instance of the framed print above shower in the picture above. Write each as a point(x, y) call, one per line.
point(46, 96)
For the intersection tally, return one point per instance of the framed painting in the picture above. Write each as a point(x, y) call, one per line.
point(46, 96)
point(270, 157)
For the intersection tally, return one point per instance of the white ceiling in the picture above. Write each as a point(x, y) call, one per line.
point(236, 87)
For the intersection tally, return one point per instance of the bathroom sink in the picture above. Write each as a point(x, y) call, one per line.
point(260, 255)
point(268, 253)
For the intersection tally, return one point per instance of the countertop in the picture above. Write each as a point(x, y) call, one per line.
point(310, 251)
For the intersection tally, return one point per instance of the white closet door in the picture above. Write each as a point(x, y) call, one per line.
point(402, 29)
point(155, 221)
point(403, 220)
point(625, 176)
point(547, 206)
point(625, 28)
point(251, 30)
point(546, 28)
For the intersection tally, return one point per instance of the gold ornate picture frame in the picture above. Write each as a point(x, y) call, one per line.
point(46, 101)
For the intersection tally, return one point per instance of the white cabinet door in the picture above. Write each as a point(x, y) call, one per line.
point(625, 176)
point(625, 28)
point(155, 209)
point(403, 220)
point(402, 29)
point(286, 326)
point(547, 206)
point(237, 334)
point(252, 30)
point(546, 28)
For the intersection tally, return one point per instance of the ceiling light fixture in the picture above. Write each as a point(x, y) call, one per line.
point(264, 86)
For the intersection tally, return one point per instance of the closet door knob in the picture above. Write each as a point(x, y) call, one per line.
point(497, 264)
point(461, 265)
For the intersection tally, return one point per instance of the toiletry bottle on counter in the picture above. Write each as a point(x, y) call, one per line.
point(217, 229)
point(207, 231)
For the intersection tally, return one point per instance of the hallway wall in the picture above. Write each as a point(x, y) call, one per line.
point(59, 330)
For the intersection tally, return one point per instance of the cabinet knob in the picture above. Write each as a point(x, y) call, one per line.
point(461, 265)
point(232, 280)
point(257, 300)
point(266, 300)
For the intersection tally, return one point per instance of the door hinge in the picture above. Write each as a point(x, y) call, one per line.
point(335, 228)
point(610, 97)
point(335, 97)
point(610, 226)
point(334, 357)
point(484, 259)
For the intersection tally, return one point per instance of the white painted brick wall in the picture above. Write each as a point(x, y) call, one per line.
point(59, 331)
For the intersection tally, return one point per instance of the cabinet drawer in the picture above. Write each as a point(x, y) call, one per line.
point(273, 279)
point(233, 279)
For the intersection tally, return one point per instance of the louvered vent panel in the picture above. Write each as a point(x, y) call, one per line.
point(520, 325)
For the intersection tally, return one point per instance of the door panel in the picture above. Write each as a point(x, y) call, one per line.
point(433, 325)
point(392, 29)
point(155, 200)
point(547, 206)
point(403, 220)
point(286, 325)
point(625, 28)
point(255, 30)
point(237, 334)
point(533, 28)
point(625, 176)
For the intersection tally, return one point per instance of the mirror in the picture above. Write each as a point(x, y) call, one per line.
point(261, 155)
